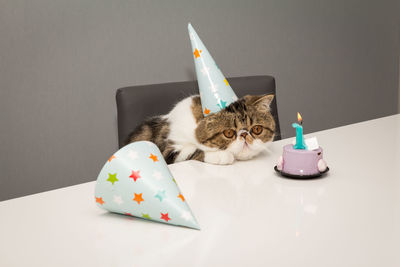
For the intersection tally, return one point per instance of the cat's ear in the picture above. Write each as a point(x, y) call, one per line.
point(262, 102)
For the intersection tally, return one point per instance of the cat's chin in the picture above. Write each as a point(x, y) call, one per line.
point(244, 151)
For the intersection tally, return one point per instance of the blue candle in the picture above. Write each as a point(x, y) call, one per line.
point(299, 134)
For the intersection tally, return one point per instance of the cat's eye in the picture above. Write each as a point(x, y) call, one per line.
point(229, 133)
point(257, 129)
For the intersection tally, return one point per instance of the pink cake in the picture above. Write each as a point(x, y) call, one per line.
point(301, 162)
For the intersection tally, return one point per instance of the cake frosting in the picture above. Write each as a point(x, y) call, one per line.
point(301, 162)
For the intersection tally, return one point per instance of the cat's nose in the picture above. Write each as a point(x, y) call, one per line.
point(244, 134)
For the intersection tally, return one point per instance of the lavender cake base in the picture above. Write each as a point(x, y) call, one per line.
point(301, 163)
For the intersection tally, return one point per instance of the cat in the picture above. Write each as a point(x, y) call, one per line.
point(238, 132)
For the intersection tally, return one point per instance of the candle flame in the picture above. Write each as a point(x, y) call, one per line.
point(299, 118)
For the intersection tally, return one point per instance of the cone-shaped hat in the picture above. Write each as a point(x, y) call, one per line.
point(215, 91)
point(136, 181)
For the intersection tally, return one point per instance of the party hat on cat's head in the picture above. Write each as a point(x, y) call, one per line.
point(215, 91)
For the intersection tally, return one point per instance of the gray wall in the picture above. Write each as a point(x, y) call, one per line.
point(61, 61)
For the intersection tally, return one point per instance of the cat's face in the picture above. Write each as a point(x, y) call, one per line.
point(243, 128)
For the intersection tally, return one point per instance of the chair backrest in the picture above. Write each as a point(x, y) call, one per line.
point(136, 103)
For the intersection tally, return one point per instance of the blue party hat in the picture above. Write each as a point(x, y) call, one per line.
point(215, 91)
point(136, 181)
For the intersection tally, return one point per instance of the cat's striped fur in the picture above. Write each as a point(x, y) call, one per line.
point(185, 134)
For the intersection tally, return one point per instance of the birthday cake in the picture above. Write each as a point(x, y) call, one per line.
point(301, 162)
point(303, 158)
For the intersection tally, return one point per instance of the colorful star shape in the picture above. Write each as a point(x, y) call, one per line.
point(99, 200)
point(197, 53)
point(112, 178)
point(153, 157)
point(111, 158)
point(135, 175)
point(146, 216)
point(160, 195)
point(226, 82)
point(222, 104)
point(181, 197)
point(206, 111)
point(165, 217)
point(138, 198)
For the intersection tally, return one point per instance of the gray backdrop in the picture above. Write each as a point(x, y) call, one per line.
point(61, 61)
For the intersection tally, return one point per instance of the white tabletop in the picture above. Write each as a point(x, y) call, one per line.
point(249, 216)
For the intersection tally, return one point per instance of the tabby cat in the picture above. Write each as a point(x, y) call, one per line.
point(239, 132)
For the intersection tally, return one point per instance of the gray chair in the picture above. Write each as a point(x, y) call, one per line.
point(136, 103)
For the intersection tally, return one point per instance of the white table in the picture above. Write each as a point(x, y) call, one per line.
point(249, 215)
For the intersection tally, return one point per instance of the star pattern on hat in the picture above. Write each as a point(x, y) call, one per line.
point(99, 200)
point(111, 158)
point(138, 198)
point(206, 111)
point(181, 197)
point(165, 216)
point(146, 216)
point(222, 104)
point(141, 188)
point(112, 178)
point(210, 78)
point(118, 200)
point(197, 53)
point(153, 157)
point(160, 195)
point(135, 175)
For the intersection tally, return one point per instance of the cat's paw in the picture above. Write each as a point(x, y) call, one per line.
point(219, 157)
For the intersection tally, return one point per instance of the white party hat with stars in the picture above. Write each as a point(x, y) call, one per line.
point(136, 181)
point(215, 91)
